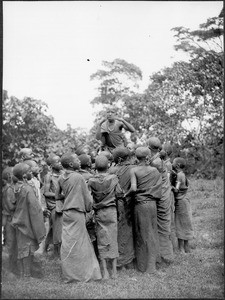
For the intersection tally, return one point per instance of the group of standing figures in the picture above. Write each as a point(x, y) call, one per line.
point(129, 208)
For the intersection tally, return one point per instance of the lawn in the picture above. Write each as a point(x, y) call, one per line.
point(199, 274)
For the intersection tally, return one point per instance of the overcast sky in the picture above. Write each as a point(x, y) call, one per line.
point(50, 48)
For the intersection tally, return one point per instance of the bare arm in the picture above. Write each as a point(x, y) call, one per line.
point(127, 126)
point(47, 182)
point(98, 133)
point(133, 187)
point(58, 191)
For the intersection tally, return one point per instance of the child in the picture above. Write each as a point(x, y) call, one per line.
point(165, 156)
point(121, 156)
point(9, 206)
point(85, 171)
point(146, 182)
point(54, 207)
point(79, 262)
point(27, 219)
point(105, 188)
point(183, 215)
point(163, 205)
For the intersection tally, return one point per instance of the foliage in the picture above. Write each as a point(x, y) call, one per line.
point(119, 78)
point(25, 125)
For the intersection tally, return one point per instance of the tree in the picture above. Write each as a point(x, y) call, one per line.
point(25, 124)
point(119, 78)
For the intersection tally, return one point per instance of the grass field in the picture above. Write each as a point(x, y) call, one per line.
point(199, 274)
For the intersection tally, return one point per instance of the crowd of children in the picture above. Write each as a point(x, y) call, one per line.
point(128, 208)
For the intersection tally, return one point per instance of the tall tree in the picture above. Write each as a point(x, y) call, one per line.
point(118, 78)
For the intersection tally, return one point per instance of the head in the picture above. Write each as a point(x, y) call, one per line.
point(70, 161)
point(120, 154)
point(110, 113)
point(85, 161)
point(143, 153)
point(108, 155)
point(154, 144)
point(54, 162)
point(7, 175)
point(101, 163)
point(22, 171)
point(179, 163)
point(167, 148)
point(26, 153)
point(34, 166)
point(131, 147)
point(162, 154)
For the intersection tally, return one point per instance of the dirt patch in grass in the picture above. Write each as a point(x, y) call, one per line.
point(199, 274)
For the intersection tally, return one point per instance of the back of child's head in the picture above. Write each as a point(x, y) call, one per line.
point(26, 153)
point(142, 152)
point(50, 159)
point(67, 159)
point(168, 148)
point(162, 154)
point(7, 174)
point(154, 143)
point(85, 161)
point(101, 163)
point(107, 154)
point(120, 153)
point(179, 162)
point(20, 169)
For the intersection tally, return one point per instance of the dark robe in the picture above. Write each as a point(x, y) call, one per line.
point(105, 188)
point(28, 220)
point(164, 210)
point(79, 262)
point(125, 216)
point(149, 191)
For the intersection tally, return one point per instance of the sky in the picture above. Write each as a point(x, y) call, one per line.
point(51, 48)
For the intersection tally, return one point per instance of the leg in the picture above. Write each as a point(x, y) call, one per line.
point(27, 266)
point(114, 270)
point(105, 271)
point(20, 267)
point(186, 246)
point(181, 245)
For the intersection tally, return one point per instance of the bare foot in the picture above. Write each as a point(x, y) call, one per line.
point(187, 250)
point(114, 275)
point(181, 250)
point(105, 276)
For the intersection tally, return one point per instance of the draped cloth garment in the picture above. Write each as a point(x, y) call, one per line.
point(183, 216)
point(149, 190)
point(125, 216)
point(105, 188)
point(28, 220)
point(164, 211)
point(78, 259)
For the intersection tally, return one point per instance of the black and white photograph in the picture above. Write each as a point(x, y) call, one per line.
point(112, 150)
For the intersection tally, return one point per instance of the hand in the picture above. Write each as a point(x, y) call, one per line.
point(102, 121)
point(46, 213)
point(119, 119)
